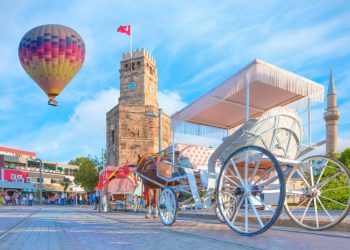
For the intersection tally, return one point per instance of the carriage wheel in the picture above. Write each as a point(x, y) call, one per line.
point(318, 193)
point(253, 180)
point(228, 208)
point(167, 207)
point(135, 204)
point(218, 215)
point(105, 203)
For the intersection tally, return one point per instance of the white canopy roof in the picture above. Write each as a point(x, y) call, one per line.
point(270, 86)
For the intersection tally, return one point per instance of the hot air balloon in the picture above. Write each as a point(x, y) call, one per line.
point(52, 55)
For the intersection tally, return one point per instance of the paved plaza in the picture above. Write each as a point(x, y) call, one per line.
point(83, 228)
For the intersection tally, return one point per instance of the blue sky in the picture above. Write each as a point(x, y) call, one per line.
point(197, 45)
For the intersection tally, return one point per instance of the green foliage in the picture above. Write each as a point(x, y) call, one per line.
point(87, 174)
point(65, 183)
point(344, 157)
point(337, 189)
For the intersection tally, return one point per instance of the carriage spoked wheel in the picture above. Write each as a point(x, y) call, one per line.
point(105, 203)
point(167, 207)
point(135, 202)
point(318, 193)
point(229, 209)
point(250, 190)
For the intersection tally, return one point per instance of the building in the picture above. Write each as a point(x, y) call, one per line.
point(331, 117)
point(131, 130)
point(20, 173)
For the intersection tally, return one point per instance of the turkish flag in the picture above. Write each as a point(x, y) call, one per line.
point(125, 29)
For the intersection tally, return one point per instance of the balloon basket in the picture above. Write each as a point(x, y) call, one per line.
point(52, 102)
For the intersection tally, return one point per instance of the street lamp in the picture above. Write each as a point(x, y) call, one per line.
point(159, 126)
point(41, 178)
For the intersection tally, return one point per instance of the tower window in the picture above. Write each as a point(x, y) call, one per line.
point(112, 136)
point(138, 63)
point(133, 66)
point(126, 65)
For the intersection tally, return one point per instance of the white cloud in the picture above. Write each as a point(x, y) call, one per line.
point(84, 132)
point(170, 101)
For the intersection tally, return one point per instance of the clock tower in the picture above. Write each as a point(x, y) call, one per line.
point(138, 79)
point(129, 131)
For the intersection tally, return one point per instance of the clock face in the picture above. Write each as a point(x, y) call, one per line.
point(132, 85)
point(150, 88)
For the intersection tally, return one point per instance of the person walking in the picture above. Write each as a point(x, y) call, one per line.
point(56, 198)
point(7, 199)
point(97, 197)
point(63, 198)
point(24, 200)
point(80, 200)
point(31, 198)
point(14, 199)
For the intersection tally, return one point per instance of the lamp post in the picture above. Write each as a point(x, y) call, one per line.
point(41, 178)
point(151, 114)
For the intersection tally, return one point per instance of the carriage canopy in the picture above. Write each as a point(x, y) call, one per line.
point(224, 107)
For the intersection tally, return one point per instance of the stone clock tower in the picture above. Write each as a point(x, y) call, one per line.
point(129, 130)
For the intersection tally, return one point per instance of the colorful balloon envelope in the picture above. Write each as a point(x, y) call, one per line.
point(52, 55)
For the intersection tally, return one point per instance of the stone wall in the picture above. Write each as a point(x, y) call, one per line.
point(130, 133)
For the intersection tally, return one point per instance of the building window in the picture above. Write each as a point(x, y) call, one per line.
point(138, 63)
point(28, 179)
point(13, 177)
point(112, 136)
point(133, 66)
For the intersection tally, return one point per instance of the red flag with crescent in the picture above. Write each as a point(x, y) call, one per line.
point(126, 29)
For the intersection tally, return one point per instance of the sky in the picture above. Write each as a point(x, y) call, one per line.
point(197, 45)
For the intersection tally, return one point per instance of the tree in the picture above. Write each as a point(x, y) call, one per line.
point(65, 183)
point(339, 185)
point(344, 157)
point(87, 174)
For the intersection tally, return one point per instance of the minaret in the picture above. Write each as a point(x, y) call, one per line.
point(331, 117)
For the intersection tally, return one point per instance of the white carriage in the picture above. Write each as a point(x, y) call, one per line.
point(261, 165)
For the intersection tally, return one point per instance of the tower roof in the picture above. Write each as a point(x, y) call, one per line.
point(137, 54)
point(331, 86)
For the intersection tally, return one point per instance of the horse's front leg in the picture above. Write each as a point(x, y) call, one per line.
point(149, 209)
point(156, 200)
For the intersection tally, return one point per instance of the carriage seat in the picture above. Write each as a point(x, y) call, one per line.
point(196, 157)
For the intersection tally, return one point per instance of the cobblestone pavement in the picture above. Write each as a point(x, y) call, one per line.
point(82, 228)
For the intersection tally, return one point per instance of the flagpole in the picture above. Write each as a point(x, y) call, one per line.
point(130, 47)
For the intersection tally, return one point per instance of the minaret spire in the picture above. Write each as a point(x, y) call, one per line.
point(331, 117)
point(331, 86)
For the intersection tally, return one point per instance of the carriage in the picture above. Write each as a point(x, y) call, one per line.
point(119, 186)
point(261, 165)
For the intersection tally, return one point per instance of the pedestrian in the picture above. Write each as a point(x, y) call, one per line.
point(24, 200)
point(14, 199)
point(63, 198)
point(53, 200)
point(93, 199)
point(97, 196)
point(19, 197)
point(74, 197)
point(80, 200)
point(90, 199)
point(2, 200)
point(7, 199)
point(56, 198)
point(31, 199)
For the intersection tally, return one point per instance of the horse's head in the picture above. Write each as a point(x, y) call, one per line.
point(144, 158)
